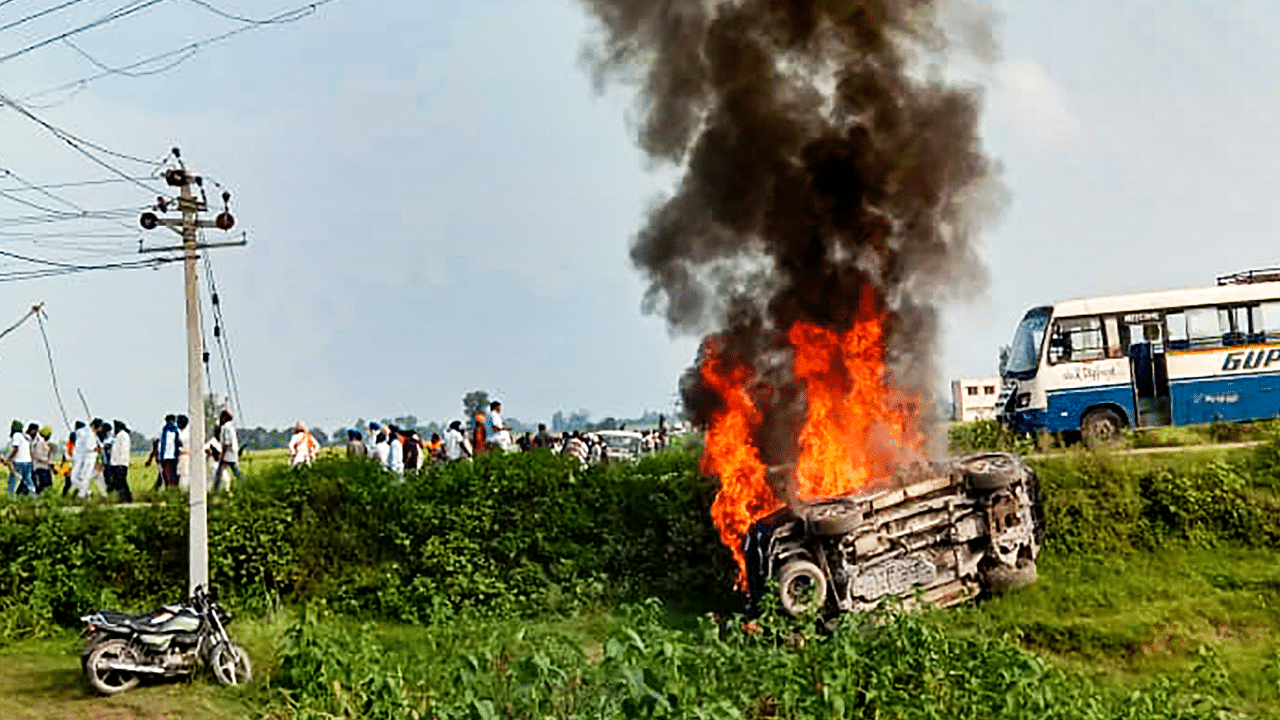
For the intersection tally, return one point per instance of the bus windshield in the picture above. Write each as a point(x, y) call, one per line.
point(1024, 354)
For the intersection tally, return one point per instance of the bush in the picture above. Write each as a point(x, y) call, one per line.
point(505, 534)
point(986, 436)
point(892, 666)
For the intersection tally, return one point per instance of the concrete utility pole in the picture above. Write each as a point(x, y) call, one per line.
point(187, 227)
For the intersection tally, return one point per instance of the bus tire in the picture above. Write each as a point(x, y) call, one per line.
point(1102, 426)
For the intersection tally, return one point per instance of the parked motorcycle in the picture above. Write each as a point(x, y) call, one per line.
point(169, 641)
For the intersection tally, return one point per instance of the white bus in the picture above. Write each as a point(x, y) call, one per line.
point(1175, 357)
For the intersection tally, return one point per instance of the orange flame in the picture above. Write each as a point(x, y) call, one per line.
point(857, 429)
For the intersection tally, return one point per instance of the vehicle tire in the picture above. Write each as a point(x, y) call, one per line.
point(1001, 579)
point(1102, 426)
point(833, 519)
point(995, 471)
point(107, 681)
point(230, 664)
point(802, 588)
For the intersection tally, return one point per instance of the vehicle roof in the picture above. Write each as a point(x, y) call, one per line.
point(1188, 297)
point(619, 433)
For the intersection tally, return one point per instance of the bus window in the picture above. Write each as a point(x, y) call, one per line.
point(1234, 323)
point(1203, 328)
point(1266, 321)
point(1113, 337)
point(1176, 326)
point(1076, 340)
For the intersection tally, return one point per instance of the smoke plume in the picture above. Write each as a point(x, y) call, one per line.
point(823, 153)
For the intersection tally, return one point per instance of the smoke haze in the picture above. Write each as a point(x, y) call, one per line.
point(822, 153)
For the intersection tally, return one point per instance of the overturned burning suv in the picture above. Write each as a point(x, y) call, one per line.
point(972, 525)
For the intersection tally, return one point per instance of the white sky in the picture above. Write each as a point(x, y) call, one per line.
point(437, 201)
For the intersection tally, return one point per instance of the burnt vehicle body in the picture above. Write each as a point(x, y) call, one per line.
point(968, 526)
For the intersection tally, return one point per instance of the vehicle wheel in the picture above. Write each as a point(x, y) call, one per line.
point(231, 664)
point(1002, 578)
point(996, 471)
point(802, 588)
point(1103, 426)
point(102, 678)
point(833, 519)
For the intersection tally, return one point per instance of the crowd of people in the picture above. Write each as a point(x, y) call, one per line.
point(401, 450)
point(98, 453)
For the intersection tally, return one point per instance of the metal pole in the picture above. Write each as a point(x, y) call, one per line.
point(199, 528)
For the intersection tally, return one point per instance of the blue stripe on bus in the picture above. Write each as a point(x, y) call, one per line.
point(1234, 397)
point(1067, 406)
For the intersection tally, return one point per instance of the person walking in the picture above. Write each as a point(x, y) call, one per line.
point(184, 452)
point(229, 459)
point(435, 449)
point(84, 460)
point(67, 465)
point(41, 456)
point(543, 438)
point(117, 470)
point(371, 441)
point(395, 450)
point(105, 439)
point(456, 445)
point(166, 452)
point(19, 461)
point(412, 451)
point(302, 446)
point(355, 445)
point(499, 435)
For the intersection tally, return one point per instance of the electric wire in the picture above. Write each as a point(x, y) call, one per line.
point(43, 191)
point(53, 374)
point(79, 145)
point(275, 20)
point(121, 12)
point(221, 340)
point(15, 326)
point(40, 14)
point(182, 54)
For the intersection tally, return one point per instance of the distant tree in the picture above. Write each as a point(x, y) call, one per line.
point(138, 442)
point(476, 401)
point(1005, 352)
point(321, 436)
point(579, 420)
point(407, 421)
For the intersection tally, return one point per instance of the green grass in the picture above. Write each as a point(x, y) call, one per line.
point(1178, 614)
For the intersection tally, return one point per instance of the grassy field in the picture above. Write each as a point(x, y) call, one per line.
point(1204, 620)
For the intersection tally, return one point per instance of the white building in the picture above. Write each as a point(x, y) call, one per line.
point(975, 398)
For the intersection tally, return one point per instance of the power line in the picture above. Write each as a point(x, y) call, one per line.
point(42, 191)
point(182, 53)
point(275, 20)
point(40, 14)
point(48, 351)
point(79, 145)
point(220, 338)
point(123, 11)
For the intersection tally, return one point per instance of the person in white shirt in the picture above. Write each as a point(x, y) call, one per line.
point(395, 450)
point(229, 460)
point(116, 472)
point(302, 446)
point(184, 452)
point(371, 440)
point(456, 445)
point(499, 435)
point(19, 462)
point(84, 459)
point(382, 449)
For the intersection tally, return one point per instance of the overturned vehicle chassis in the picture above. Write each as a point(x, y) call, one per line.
point(972, 525)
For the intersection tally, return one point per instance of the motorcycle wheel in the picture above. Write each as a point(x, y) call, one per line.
point(104, 679)
point(230, 664)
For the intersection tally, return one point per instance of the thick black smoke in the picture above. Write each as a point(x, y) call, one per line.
point(821, 152)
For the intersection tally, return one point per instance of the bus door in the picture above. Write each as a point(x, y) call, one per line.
point(1150, 372)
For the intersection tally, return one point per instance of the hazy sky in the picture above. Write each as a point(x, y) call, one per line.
point(437, 200)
